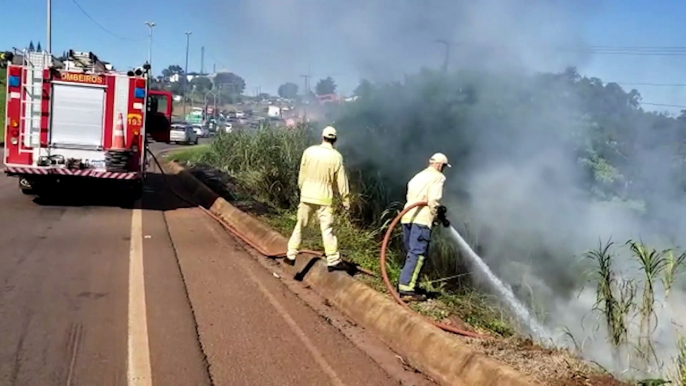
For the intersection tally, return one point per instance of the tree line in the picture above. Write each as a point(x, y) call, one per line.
point(227, 86)
point(324, 86)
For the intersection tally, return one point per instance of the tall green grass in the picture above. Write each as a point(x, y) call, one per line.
point(618, 302)
point(614, 296)
point(672, 266)
point(681, 362)
point(652, 264)
point(265, 161)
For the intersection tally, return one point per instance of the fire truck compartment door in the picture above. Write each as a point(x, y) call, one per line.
point(77, 115)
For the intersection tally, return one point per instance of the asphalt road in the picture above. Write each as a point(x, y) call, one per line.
point(93, 292)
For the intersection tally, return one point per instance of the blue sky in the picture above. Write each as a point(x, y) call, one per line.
point(640, 23)
point(269, 42)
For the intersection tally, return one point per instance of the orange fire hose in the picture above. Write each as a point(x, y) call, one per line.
point(391, 289)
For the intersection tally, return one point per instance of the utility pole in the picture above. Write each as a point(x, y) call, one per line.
point(307, 89)
point(49, 28)
point(447, 53)
point(214, 68)
point(202, 59)
point(150, 25)
point(307, 94)
point(185, 75)
point(306, 84)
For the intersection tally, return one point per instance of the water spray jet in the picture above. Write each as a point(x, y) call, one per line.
point(501, 289)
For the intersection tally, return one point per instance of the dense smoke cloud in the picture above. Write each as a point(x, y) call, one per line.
point(520, 181)
point(384, 39)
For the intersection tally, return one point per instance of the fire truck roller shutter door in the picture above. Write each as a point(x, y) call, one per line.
point(77, 115)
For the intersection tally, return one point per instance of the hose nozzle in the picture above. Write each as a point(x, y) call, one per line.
point(440, 216)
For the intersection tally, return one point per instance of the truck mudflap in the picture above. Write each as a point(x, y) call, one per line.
point(92, 173)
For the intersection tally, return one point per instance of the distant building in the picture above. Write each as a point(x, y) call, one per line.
point(189, 77)
point(328, 98)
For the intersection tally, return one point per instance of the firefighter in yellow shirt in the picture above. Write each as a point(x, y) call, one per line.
point(427, 186)
point(321, 171)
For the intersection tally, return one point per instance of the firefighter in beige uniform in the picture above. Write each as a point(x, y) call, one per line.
point(321, 168)
point(426, 186)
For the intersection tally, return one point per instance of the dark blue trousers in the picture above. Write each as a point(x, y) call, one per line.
point(416, 239)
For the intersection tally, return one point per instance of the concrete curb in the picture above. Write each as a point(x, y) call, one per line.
point(261, 234)
point(441, 356)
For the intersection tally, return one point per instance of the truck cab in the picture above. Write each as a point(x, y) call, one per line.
point(159, 115)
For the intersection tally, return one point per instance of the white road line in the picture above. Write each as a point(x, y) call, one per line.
point(316, 354)
point(138, 365)
point(292, 324)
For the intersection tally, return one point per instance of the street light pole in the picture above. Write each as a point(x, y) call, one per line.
point(447, 53)
point(49, 27)
point(185, 81)
point(150, 25)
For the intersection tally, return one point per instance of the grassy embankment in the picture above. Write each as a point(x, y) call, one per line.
point(262, 166)
point(257, 172)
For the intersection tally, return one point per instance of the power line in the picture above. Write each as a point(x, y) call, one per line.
point(628, 53)
point(678, 48)
point(650, 84)
point(597, 50)
point(216, 60)
point(633, 51)
point(101, 26)
point(663, 105)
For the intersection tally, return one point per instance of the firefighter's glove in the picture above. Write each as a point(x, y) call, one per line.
point(441, 216)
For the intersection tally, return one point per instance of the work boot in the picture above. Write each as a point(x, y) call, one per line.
point(411, 296)
point(288, 261)
point(342, 266)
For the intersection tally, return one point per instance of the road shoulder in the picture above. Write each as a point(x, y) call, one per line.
point(247, 339)
point(175, 353)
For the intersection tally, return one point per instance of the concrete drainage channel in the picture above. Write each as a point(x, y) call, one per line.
point(442, 356)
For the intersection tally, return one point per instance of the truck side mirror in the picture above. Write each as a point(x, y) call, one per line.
point(152, 105)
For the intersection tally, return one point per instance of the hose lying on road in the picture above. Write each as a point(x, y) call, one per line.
point(233, 230)
point(391, 288)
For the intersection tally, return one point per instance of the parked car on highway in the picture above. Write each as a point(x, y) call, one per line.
point(183, 133)
point(202, 132)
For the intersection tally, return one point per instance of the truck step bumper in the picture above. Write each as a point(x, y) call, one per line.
point(13, 170)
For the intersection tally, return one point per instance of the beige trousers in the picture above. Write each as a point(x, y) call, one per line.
point(324, 214)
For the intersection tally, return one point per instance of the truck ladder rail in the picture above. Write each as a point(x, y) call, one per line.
point(34, 64)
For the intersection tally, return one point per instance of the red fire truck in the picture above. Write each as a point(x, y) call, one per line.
point(79, 119)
